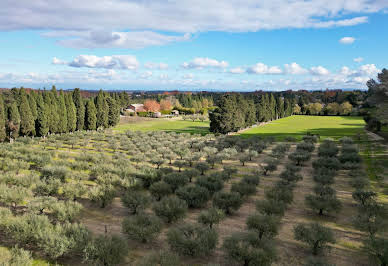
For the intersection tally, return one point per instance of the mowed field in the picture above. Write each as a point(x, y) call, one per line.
point(298, 125)
point(162, 124)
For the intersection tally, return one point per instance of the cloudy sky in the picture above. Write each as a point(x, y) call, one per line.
point(192, 44)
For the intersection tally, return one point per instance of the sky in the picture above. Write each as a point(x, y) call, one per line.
point(228, 45)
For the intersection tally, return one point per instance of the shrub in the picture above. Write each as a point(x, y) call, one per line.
point(176, 180)
point(265, 225)
point(211, 216)
point(372, 218)
point(324, 200)
point(377, 248)
point(160, 258)
point(314, 235)
point(20, 257)
point(57, 172)
point(202, 167)
point(253, 180)
point(245, 249)
point(327, 162)
point(192, 240)
point(106, 250)
point(135, 201)
point(299, 157)
point(103, 194)
point(310, 138)
point(280, 194)
point(191, 173)
point(349, 157)
point(227, 201)
point(212, 183)
point(327, 151)
point(291, 176)
point(142, 227)
point(293, 168)
point(160, 189)
point(270, 165)
point(170, 208)
point(364, 197)
point(195, 196)
point(305, 146)
point(271, 207)
point(243, 188)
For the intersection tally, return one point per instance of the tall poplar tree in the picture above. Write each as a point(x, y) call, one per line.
point(102, 110)
point(27, 124)
point(42, 121)
point(90, 115)
point(80, 109)
point(62, 113)
point(3, 133)
point(71, 113)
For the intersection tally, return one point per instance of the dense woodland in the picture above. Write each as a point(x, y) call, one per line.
point(39, 113)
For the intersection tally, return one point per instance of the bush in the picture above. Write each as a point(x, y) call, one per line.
point(280, 194)
point(20, 257)
point(106, 250)
point(160, 189)
point(103, 194)
point(243, 188)
point(176, 180)
point(377, 248)
point(56, 172)
point(265, 225)
point(306, 147)
point(310, 138)
point(270, 165)
point(192, 240)
point(170, 209)
point(325, 162)
point(291, 176)
point(191, 173)
point(271, 207)
point(364, 197)
point(135, 201)
point(314, 235)
point(212, 183)
point(160, 258)
point(253, 180)
point(142, 227)
point(195, 196)
point(349, 157)
point(211, 216)
point(299, 157)
point(327, 151)
point(227, 201)
point(245, 249)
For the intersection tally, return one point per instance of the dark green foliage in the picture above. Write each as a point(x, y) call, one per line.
point(291, 176)
point(227, 201)
point(314, 235)
point(192, 240)
point(364, 197)
point(280, 194)
point(305, 146)
point(3, 133)
point(191, 173)
point(299, 157)
point(253, 180)
point(377, 248)
point(62, 113)
point(102, 110)
point(160, 189)
point(102, 195)
point(71, 113)
point(271, 207)
point(80, 109)
point(211, 216)
point(270, 165)
point(325, 162)
point(13, 124)
point(176, 180)
point(106, 250)
point(324, 200)
point(27, 123)
point(90, 116)
point(194, 195)
point(229, 172)
point(372, 218)
point(202, 167)
point(243, 188)
point(212, 183)
point(136, 201)
point(246, 249)
point(170, 209)
point(142, 227)
point(42, 121)
point(265, 225)
point(349, 158)
point(114, 111)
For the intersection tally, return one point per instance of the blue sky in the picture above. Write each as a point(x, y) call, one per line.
point(193, 45)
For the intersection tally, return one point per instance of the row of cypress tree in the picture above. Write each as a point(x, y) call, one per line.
point(236, 111)
point(39, 113)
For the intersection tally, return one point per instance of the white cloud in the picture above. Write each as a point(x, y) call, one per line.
point(146, 75)
point(160, 66)
point(201, 62)
point(128, 62)
point(294, 69)
point(358, 59)
point(368, 70)
point(347, 40)
point(261, 68)
point(237, 70)
point(319, 71)
point(188, 76)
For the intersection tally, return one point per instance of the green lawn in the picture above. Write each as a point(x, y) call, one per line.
point(165, 124)
point(296, 126)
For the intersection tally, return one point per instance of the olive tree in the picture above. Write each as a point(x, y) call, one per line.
point(315, 235)
point(265, 225)
point(227, 201)
point(211, 217)
point(135, 201)
point(194, 195)
point(324, 200)
point(102, 195)
point(202, 167)
point(170, 209)
point(160, 189)
point(142, 227)
point(270, 165)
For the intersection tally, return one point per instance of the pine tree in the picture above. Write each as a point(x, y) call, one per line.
point(3, 133)
point(71, 113)
point(102, 110)
point(27, 124)
point(80, 109)
point(13, 124)
point(62, 113)
point(90, 115)
point(42, 121)
point(114, 111)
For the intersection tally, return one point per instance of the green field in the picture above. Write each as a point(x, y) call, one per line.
point(165, 124)
point(296, 126)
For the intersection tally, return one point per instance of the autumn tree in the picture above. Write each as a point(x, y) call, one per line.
point(151, 106)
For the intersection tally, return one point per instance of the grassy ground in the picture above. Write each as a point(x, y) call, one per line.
point(296, 126)
point(163, 124)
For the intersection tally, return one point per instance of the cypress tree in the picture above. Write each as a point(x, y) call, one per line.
point(102, 110)
point(272, 107)
point(62, 113)
point(90, 115)
point(71, 113)
point(13, 124)
point(27, 124)
point(80, 109)
point(53, 111)
point(42, 121)
point(114, 111)
point(3, 133)
point(32, 100)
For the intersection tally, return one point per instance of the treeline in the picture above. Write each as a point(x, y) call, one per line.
point(237, 111)
point(39, 113)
